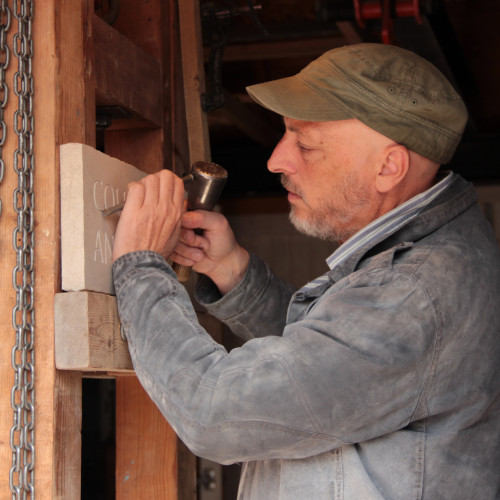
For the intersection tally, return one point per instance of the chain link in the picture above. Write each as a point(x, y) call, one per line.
point(22, 435)
point(4, 64)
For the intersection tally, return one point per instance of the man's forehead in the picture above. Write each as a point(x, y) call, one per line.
point(315, 128)
point(301, 126)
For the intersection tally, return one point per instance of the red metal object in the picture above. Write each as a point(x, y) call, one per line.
point(381, 9)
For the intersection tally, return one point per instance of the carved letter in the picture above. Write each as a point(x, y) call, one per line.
point(97, 184)
point(98, 247)
point(108, 246)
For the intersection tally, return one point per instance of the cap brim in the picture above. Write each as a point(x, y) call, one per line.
point(293, 98)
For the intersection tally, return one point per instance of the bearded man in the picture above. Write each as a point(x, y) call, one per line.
point(378, 380)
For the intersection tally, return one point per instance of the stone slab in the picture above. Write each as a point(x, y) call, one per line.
point(90, 182)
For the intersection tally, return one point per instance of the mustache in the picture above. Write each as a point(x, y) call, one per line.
point(289, 186)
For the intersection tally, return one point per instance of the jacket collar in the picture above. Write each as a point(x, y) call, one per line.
point(459, 196)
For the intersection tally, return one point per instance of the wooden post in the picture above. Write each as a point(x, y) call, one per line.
point(64, 110)
point(65, 68)
point(146, 446)
point(194, 79)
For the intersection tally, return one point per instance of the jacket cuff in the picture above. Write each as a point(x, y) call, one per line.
point(129, 265)
point(221, 306)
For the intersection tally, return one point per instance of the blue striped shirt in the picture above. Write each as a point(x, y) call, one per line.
point(384, 226)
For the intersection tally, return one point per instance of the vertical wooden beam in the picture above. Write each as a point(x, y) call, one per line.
point(146, 446)
point(65, 113)
point(194, 79)
point(198, 146)
point(64, 110)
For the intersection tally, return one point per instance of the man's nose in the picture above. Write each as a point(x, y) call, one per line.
point(281, 159)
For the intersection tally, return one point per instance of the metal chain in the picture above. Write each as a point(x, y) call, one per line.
point(22, 436)
point(4, 63)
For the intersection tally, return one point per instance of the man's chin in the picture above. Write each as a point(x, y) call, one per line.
point(304, 226)
point(314, 229)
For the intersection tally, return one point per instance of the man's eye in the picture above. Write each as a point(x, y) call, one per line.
point(304, 148)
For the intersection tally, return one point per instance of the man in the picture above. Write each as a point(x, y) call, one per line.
point(380, 379)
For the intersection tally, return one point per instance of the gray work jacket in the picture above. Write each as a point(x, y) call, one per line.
point(382, 384)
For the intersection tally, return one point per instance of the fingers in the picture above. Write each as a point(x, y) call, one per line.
point(186, 256)
point(156, 194)
point(151, 218)
point(206, 222)
point(135, 195)
point(192, 239)
point(187, 251)
point(191, 247)
point(171, 188)
point(201, 219)
point(162, 188)
point(179, 259)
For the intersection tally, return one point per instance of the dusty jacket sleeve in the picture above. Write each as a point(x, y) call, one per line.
point(337, 376)
point(256, 307)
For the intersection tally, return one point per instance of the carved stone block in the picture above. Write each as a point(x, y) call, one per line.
point(90, 182)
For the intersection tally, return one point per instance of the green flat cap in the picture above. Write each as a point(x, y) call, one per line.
point(390, 89)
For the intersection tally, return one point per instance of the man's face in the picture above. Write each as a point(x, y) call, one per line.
point(327, 169)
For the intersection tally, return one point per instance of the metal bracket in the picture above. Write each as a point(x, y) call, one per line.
point(106, 114)
point(215, 34)
point(216, 25)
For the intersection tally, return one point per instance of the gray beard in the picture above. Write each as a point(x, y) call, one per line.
point(331, 223)
point(319, 228)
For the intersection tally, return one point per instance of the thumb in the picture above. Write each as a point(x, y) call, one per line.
point(201, 219)
point(191, 220)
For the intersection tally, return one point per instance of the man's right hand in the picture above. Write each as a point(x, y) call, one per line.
point(215, 252)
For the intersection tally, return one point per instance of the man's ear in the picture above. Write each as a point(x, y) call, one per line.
point(393, 167)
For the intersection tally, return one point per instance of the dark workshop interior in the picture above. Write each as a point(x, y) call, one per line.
point(247, 43)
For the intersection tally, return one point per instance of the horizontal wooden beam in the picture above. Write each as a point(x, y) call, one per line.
point(87, 333)
point(254, 125)
point(261, 51)
point(126, 76)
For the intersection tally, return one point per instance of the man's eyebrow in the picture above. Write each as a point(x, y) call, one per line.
point(291, 128)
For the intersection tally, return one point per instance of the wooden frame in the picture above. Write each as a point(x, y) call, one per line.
point(79, 63)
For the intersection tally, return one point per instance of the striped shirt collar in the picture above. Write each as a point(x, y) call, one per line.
point(382, 227)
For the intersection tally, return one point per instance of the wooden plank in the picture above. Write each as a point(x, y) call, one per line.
point(137, 477)
point(351, 32)
point(72, 66)
point(194, 79)
point(63, 110)
point(87, 333)
point(198, 147)
point(66, 439)
point(146, 446)
point(90, 182)
point(126, 75)
point(88, 336)
point(253, 125)
point(136, 147)
point(262, 51)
